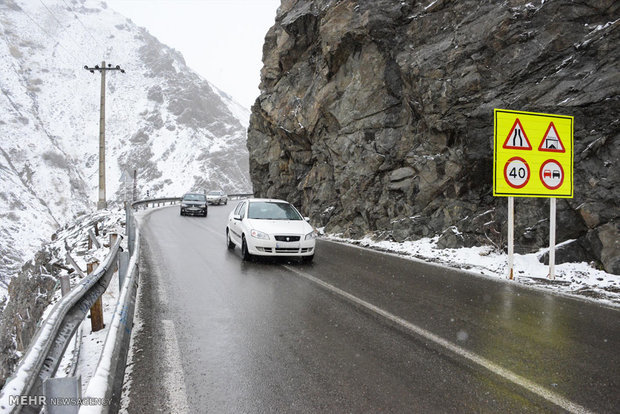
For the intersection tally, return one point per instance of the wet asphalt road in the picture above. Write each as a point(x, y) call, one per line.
point(219, 335)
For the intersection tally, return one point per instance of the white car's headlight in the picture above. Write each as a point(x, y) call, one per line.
point(259, 234)
point(311, 235)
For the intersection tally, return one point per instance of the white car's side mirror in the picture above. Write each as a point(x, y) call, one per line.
point(307, 219)
point(236, 217)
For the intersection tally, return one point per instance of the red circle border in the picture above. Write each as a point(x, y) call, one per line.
point(540, 174)
point(529, 173)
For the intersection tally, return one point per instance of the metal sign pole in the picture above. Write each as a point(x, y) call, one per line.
point(511, 235)
point(552, 205)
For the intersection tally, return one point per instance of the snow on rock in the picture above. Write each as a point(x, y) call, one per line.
point(163, 120)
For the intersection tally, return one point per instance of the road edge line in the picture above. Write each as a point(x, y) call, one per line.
point(174, 379)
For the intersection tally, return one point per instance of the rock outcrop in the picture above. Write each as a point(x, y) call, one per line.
point(30, 292)
point(377, 116)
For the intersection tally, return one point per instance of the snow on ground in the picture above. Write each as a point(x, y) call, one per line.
point(85, 346)
point(92, 342)
point(580, 279)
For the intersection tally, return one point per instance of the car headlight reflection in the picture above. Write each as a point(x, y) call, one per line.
point(311, 235)
point(259, 235)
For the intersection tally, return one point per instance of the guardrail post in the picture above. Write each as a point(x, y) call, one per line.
point(123, 267)
point(96, 311)
point(113, 238)
point(130, 230)
point(75, 266)
point(65, 284)
point(59, 390)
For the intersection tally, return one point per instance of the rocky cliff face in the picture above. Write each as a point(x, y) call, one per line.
point(377, 116)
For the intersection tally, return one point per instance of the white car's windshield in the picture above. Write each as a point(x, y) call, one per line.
point(269, 210)
point(214, 193)
point(194, 197)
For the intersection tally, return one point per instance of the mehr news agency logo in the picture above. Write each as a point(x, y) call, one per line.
point(42, 400)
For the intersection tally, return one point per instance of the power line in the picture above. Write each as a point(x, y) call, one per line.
point(47, 33)
point(83, 25)
point(60, 25)
point(53, 15)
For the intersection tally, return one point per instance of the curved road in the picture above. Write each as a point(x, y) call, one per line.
point(356, 331)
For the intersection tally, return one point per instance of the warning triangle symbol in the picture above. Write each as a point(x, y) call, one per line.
point(517, 139)
point(551, 141)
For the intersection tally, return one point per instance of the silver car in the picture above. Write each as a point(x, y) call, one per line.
point(217, 197)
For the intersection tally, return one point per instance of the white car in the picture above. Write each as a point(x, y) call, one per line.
point(266, 227)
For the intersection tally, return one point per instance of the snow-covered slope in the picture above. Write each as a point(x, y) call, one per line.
point(162, 119)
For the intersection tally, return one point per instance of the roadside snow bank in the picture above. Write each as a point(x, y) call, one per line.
point(571, 278)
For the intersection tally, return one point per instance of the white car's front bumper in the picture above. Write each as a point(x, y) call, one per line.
point(262, 247)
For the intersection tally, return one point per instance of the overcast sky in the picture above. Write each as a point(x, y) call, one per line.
point(222, 40)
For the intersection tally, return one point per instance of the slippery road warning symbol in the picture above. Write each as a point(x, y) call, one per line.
point(516, 138)
point(551, 141)
point(523, 170)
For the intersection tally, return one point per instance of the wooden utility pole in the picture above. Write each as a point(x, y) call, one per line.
point(135, 177)
point(102, 203)
point(96, 311)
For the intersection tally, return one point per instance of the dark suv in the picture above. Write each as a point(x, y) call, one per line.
point(194, 204)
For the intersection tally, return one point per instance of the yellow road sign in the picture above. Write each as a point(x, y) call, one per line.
point(533, 154)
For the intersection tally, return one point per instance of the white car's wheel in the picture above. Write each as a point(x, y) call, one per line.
point(247, 256)
point(229, 243)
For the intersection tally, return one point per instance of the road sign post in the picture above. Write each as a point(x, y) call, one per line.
point(552, 202)
point(532, 157)
point(511, 236)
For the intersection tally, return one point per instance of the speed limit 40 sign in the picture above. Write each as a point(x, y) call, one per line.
point(533, 154)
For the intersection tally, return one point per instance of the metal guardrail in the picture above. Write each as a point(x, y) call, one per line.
point(242, 195)
point(107, 382)
point(157, 202)
point(47, 348)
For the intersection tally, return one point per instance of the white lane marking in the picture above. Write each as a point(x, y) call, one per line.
point(163, 296)
point(174, 380)
point(173, 377)
point(481, 361)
